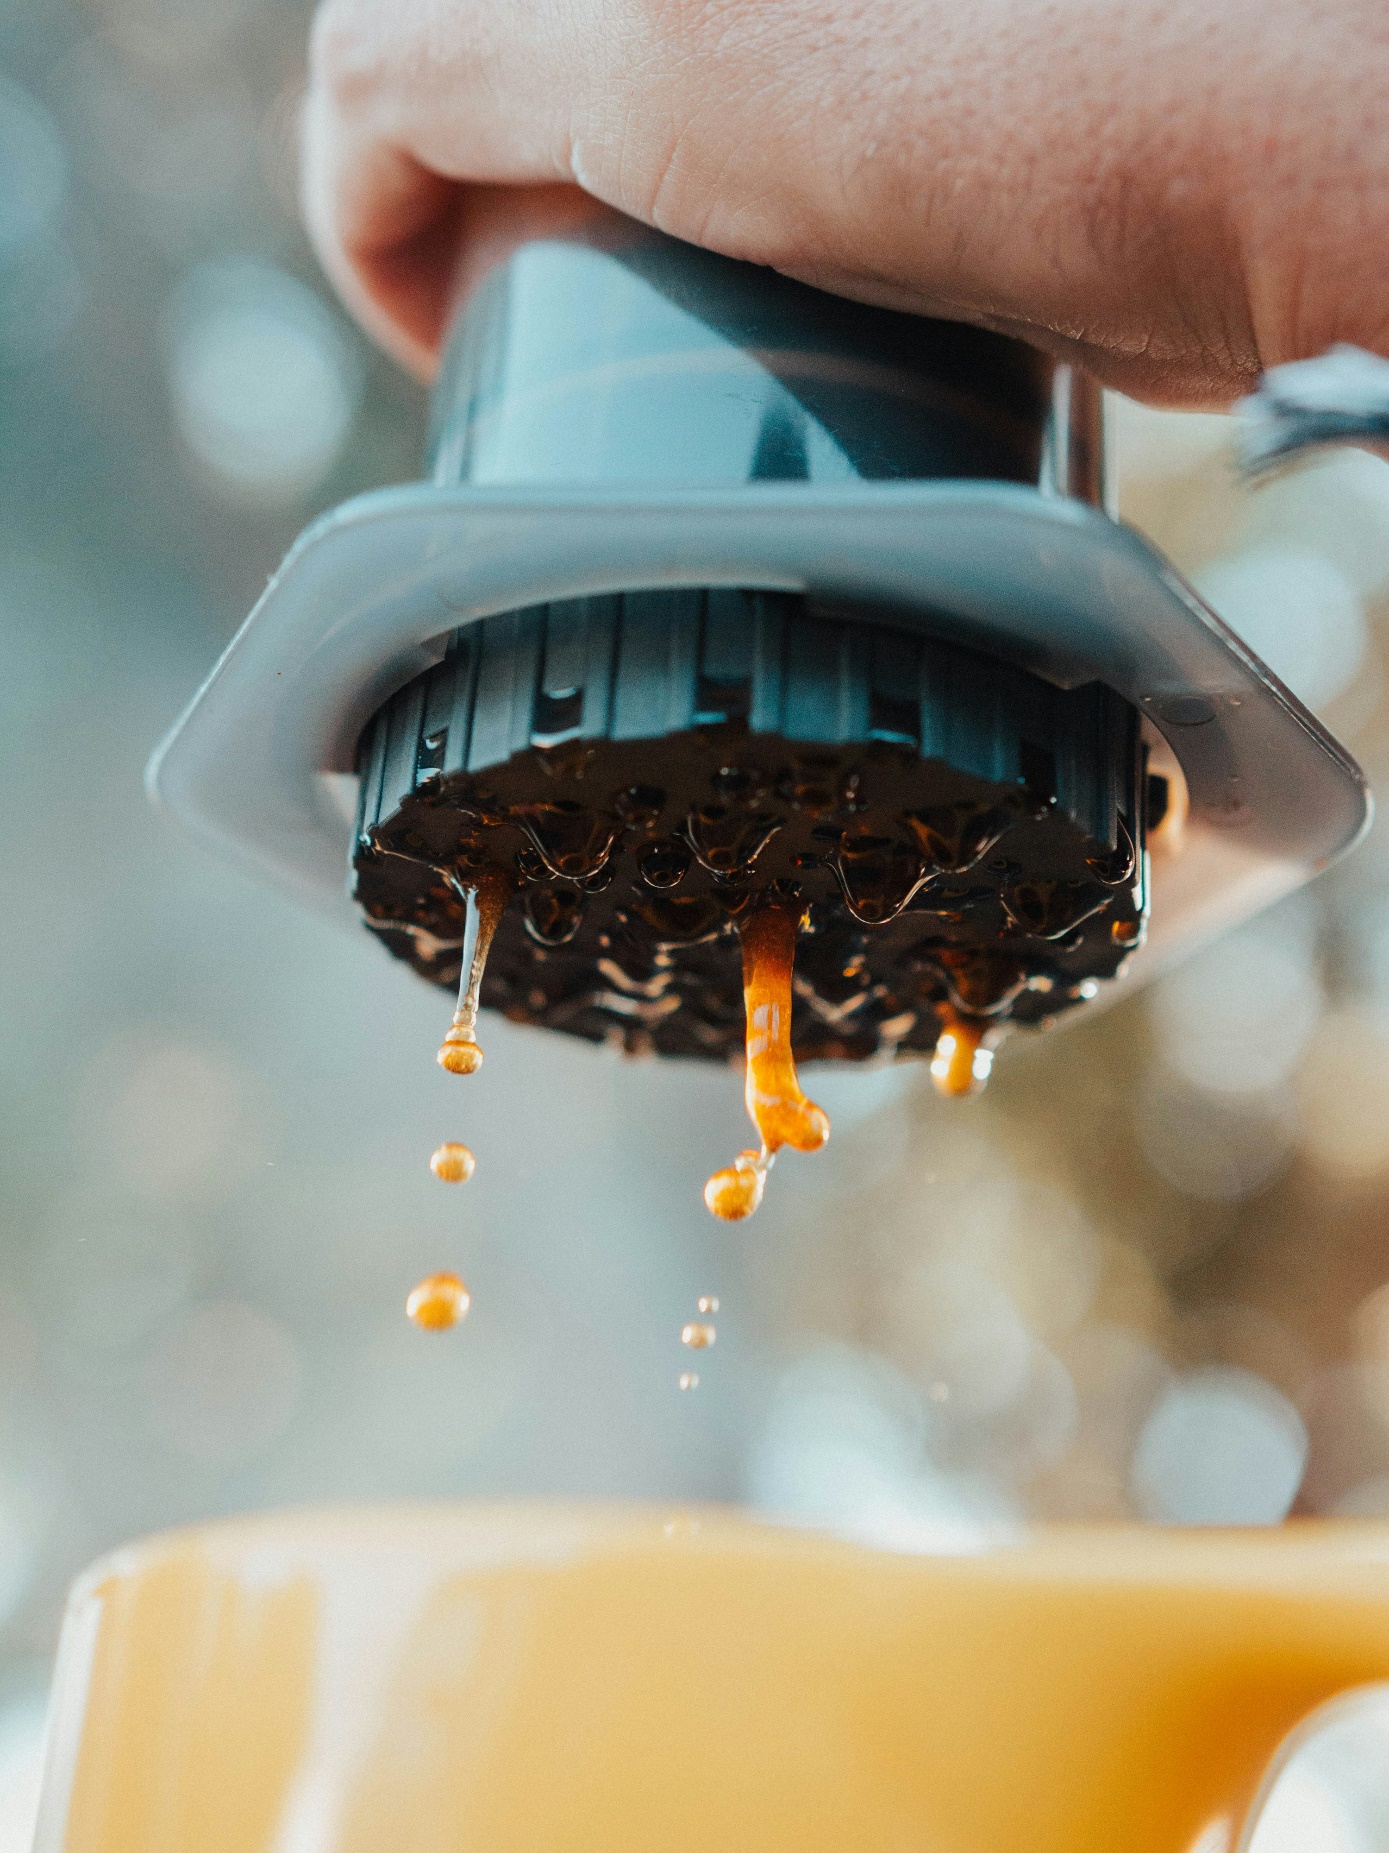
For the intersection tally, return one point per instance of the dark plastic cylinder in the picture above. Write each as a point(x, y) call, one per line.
point(604, 353)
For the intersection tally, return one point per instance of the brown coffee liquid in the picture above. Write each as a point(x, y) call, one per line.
point(452, 1163)
point(699, 1335)
point(438, 1302)
point(961, 1063)
point(775, 1102)
point(486, 904)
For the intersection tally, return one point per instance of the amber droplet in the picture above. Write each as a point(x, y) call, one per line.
point(707, 1303)
point(1127, 932)
point(961, 1063)
point(698, 1335)
point(735, 1193)
point(438, 1302)
point(689, 1380)
point(459, 1053)
point(452, 1163)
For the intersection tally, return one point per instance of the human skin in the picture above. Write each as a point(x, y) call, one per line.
point(1175, 193)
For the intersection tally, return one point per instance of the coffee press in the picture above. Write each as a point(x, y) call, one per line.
point(719, 589)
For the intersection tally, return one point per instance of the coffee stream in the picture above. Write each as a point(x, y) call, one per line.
point(485, 904)
point(776, 1104)
point(440, 1301)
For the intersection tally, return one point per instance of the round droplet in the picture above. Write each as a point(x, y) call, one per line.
point(452, 1163)
point(689, 1380)
point(459, 1054)
point(698, 1335)
point(961, 1063)
point(438, 1302)
point(664, 865)
point(735, 1193)
point(707, 1303)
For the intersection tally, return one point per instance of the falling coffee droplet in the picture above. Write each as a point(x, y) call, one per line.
point(486, 903)
point(452, 1163)
point(961, 1063)
point(438, 1302)
point(772, 1092)
point(707, 1303)
point(734, 1193)
point(689, 1380)
point(699, 1336)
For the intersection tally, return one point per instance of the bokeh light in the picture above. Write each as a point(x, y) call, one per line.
point(1236, 1017)
point(1222, 1447)
point(33, 168)
point(1296, 609)
point(40, 287)
point(265, 382)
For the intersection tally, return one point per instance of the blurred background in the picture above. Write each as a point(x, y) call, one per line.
point(1146, 1277)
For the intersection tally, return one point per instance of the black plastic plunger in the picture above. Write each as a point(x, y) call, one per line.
point(965, 839)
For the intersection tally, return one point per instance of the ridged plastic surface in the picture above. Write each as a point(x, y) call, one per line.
point(963, 835)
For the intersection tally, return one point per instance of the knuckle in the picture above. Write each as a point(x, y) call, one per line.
point(344, 48)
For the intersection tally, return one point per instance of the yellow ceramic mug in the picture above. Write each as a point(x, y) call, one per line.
point(598, 1680)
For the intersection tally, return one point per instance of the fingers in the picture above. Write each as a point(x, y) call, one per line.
point(403, 105)
point(1096, 177)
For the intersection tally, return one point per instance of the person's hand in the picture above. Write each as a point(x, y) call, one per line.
point(1174, 192)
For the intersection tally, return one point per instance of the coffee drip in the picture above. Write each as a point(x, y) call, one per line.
point(772, 1091)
